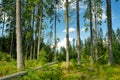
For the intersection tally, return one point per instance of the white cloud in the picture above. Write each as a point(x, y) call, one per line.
point(83, 29)
point(104, 13)
point(70, 30)
point(62, 43)
point(104, 16)
point(82, 5)
point(73, 4)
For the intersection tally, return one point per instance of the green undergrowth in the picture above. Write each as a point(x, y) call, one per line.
point(92, 72)
point(8, 67)
point(45, 73)
point(86, 71)
point(7, 64)
point(75, 72)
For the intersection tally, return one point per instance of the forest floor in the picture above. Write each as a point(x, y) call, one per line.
point(59, 71)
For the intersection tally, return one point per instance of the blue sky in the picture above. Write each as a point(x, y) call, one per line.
point(72, 34)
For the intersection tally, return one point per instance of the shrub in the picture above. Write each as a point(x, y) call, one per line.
point(5, 57)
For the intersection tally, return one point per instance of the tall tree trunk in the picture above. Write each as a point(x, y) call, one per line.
point(20, 57)
point(3, 31)
point(67, 35)
point(31, 51)
point(33, 35)
point(3, 24)
point(55, 43)
point(78, 32)
point(13, 38)
point(96, 41)
point(31, 44)
point(0, 27)
point(34, 51)
point(11, 45)
point(91, 32)
point(109, 24)
point(3, 19)
point(26, 51)
point(39, 34)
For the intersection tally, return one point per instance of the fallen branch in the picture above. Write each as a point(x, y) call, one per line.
point(8, 77)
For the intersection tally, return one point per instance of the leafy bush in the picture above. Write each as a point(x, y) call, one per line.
point(7, 67)
point(31, 75)
point(46, 73)
point(5, 57)
point(61, 57)
point(42, 56)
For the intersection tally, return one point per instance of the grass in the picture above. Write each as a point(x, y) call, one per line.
point(60, 72)
point(91, 72)
point(84, 72)
point(7, 68)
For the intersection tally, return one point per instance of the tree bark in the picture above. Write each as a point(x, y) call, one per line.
point(78, 32)
point(20, 57)
point(67, 36)
point(32, 36)
point(3, 31)
point(34, 51)
point(3, 19)
point(55, 43)
point(109, 24)
point(91, 32)
point(34, 41)
point(31, 51)
point(39, 35)
point(96, 41)
point(11, 43)
point(26, 51)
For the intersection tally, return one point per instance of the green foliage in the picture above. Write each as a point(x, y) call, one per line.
point(46, 54)
point(62, 54)
point(5, 57)
point(46, 73)
point(116, 45)
point(103, 59)
point(43, 55)
point(7, 68)
point(53, 72)
point(59, 72)
point(61, 57)
point(3, 42)
point(73, 63)
point(31, 75)
point(29, 13)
